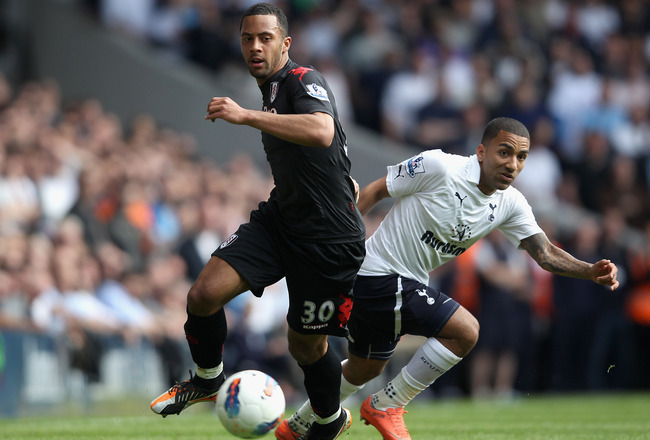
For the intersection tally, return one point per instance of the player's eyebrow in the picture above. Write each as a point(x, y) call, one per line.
point(512, 148)
point(505, 145)
point(263, 33)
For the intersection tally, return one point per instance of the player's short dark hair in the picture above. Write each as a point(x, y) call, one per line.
point(268, 9)
point(509, 125)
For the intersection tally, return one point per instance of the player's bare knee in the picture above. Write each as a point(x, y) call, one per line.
point(358, 371)
point(461, 332)
point(364, 375)
point(307, 351)
point(372, 371)
point(201, 300)
point(473, 332)
point(470, 334)
point(304, 355)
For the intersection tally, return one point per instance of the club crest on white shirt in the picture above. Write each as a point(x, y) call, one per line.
point(491, 216)
point(318, 92)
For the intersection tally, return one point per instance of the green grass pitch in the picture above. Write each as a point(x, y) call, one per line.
point(588, 417)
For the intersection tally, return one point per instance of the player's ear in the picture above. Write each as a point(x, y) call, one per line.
point(286, 44)
point(480, 152)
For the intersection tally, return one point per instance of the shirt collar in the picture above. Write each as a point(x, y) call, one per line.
point(473, 170)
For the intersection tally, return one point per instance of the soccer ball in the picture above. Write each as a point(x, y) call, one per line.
point(250, 403)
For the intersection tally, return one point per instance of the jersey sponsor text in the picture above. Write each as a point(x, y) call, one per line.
point(441, 246)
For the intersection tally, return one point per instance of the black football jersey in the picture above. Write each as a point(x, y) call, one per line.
point(313, 195)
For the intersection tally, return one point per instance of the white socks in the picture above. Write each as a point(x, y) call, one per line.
point(348, 389)
point(431, 361)
point(302, 418)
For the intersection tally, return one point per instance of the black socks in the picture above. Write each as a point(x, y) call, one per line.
point(323, 383)
point(206, 336)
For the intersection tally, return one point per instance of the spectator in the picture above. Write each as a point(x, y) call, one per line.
point(372, 43)
point(637, 306)
point(19, 203)
point(515, 57)
point(575, 316)
point(524, 103)
point(593, 168)
point(55, 167)
point(488, 89)
point(611, 354)
point(317, 36)
point(13, 307)
point(623, 191)
point(632, 137)
point(170, 343)
point(128, 16)
point(572, 93)
point(504, 316)
point(372, 54)
point(207, 40)
point(633, 90)
point(167, 24)
point(595, 20)
point(608, 116)
point(138, 321)
point(205, 231)
point(475, 117)
point(406, 91)
point(438, 122)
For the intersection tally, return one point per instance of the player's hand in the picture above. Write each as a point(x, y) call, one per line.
point(604, 272)
point(226, 109)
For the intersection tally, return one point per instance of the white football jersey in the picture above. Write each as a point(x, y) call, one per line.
point(439, 213)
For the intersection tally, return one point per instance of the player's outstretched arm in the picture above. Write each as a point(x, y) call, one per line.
point(372, 194)
point(309, 129)
point(560, 262)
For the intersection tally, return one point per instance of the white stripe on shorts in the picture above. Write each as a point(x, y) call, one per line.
point(398, 308)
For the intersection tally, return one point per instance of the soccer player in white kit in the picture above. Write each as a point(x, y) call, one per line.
point(445, 203)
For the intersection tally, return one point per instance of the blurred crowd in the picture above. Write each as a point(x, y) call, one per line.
point(104, 224)
point(431, 73)
point(103, 228)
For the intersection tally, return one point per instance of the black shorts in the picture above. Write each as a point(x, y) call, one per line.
point(387, 307)
point(319, 276)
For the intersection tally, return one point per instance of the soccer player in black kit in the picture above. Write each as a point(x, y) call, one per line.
point(309, 231)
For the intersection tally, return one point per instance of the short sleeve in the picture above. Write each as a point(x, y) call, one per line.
point(521, 223)
point(311, 93)
point(417, 173)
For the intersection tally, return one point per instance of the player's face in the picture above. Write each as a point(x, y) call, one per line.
point(501, 161)
point(264, 49)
